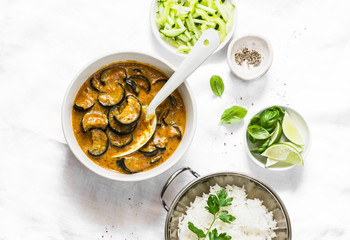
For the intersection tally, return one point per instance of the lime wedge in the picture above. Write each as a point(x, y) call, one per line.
point(273, 163)
point(291, 131)
point(283, 153)
point(270, 162)
point(299, 148)
point(276, 135)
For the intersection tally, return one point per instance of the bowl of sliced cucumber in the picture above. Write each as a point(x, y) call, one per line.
point(277, 138)
point(178, 25)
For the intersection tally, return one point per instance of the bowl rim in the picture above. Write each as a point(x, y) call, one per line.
point(230, 62)
point(170, 48)
point(88, 163)
point(256, 161)
point(190, 185)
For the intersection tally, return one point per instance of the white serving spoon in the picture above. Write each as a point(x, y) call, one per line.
point(204, 47)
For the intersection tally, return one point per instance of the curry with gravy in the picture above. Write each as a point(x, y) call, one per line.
point(108, 114)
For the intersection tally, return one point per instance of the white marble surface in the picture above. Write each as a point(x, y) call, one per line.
point(46, 193)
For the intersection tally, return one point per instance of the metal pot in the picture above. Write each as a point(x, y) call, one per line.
point(254, 189)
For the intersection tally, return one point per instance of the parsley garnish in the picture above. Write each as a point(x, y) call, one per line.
point(214, 203)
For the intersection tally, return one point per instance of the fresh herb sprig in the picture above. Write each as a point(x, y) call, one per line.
point(214, 204)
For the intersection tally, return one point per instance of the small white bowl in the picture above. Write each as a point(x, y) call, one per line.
point(169, 47)
point(257, 43)
point(85, 73)
point(301, 125)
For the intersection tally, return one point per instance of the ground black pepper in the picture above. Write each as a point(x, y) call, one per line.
point(251, 57)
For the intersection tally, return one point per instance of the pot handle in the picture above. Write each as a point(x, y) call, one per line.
point(171, 178)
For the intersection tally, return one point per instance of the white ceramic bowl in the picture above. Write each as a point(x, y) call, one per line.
point(301, 125)
point(257, 43)
point(169, 47)
point(187, 95)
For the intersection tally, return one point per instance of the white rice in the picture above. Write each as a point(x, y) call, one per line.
point(253, 221)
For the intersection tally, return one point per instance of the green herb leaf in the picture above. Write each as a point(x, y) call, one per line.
point(268, 119)
point(258, 132)
point(270, 116)
point(217, 85)
point(213, 235)
point(225, 217)
point(262, 147)
point(199, 232)
point(233, 115)
point(213, 204)
point(255, 120)
point(222, 195)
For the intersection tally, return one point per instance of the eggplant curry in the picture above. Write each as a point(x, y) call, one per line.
point(109, 115)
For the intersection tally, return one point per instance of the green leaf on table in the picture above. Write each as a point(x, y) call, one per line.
point(225, 217)
point(199, 232)
point(213, 235)
point(233, 115)
point(213, 204)
point(258, 132)
point(217, 85)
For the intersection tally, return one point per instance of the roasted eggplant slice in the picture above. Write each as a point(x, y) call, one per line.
point(96, 84)
point(99, 143)
point(156, 159)
point(113, 74)
point(119, 141)
point(132, 164)
point(114, 96)
point(83, 104)
point(86, 100)
point(175, 131)
point(149, 150)
point(129, 112)
point(137, 70)
point(137, 82)
point(160, 137)
point(160, 80)
point(94, 120)
point(118, 128)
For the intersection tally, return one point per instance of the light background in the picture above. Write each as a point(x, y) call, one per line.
point(46, 193)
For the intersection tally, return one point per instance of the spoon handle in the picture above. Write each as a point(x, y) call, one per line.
point(204, 47)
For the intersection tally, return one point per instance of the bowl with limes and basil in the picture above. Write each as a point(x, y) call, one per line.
point(177, 25)
point(277, 138)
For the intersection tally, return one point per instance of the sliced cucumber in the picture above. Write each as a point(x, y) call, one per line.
point(172, 32)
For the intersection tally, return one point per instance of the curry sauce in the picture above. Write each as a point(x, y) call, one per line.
point(108, 117)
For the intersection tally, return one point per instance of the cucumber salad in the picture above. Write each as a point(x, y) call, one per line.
point(182, 22)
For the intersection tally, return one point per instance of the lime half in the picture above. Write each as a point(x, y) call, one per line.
point(290, 130)
point(283, 153)
point(276, 135)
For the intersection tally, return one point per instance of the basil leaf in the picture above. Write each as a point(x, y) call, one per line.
point(225, 217)
point(217, 85)
point(269, 118)
point(262, 147)
point(258, 132)
point(255, 120)
point(233, 115)
point(199, 232)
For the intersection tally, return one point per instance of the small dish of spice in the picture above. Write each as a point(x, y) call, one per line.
point(249, 57)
